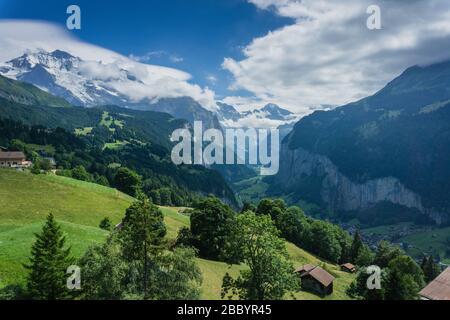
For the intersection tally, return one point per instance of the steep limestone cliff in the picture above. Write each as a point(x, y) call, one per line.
point(337, 191)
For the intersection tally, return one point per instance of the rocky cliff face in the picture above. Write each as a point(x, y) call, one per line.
point(337, 191)
point(393, 146)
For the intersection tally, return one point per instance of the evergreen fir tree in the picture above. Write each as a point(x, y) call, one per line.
point(48, 264)
point(356, 247)
point(430, 269)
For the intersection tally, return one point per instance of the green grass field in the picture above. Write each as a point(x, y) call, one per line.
point(115, 145)
point(421, 240)
point(251, 190)
point(83, 131)
point(26, 199)
point(108, 121)
point(435, 241)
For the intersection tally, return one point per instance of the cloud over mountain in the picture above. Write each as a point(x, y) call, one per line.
point(129, 78)
point(329, 56)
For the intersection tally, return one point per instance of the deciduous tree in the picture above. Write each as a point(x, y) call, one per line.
point(270, 273)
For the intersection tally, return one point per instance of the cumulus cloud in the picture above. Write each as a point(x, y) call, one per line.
point(329, 56)
point(95, 70)
point(19, 36)
point(245, 103)
point(253, 121)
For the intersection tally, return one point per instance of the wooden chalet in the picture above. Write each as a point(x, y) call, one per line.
point(315, 279)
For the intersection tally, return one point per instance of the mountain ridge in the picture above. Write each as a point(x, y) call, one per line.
point(402, 131)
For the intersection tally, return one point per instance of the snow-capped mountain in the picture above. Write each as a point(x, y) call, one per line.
point(273, 112)
point(271, 115)
point(90, 83)
point(66, 76)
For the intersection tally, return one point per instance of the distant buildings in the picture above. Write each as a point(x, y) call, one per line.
point(348, 267)
point(13, 159)
point(315, 279)
point(438, 289)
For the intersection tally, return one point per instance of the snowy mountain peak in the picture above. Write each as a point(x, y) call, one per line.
point(84, 83)
point(53, 60)
point(271, 115)
point(275, 110)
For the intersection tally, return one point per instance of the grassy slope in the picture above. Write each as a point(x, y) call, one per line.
point(26, 199)
point(28, 94)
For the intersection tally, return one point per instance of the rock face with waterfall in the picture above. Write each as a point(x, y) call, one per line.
point(392, 147)
point(337, 190)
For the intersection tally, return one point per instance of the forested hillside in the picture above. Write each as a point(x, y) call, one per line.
point(103, 139)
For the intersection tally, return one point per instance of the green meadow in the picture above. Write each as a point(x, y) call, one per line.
point(26, 199)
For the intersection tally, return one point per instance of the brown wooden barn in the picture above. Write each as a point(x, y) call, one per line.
point(348, 267)
point(315, 279)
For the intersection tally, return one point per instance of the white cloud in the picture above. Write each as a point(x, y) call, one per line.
point(245, 103)
point(253, 121)
point(148, 56)
point(95, 70)
point(19, 36)
point(176, 59)
point(151, 55)
point(211, 78)
point(329, 57)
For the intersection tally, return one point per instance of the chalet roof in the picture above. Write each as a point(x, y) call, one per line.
point(322, 276)
point(12, 155)
point(317, 273)
point(439, 288)
point(348, 266)
point(305, 268)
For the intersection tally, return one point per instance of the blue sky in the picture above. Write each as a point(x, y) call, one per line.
point(302, 55)
point(194, 36)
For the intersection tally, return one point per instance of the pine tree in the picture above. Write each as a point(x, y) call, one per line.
point(356, 247)
point(424, 262)
point(430, 269)
point(48, 264)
